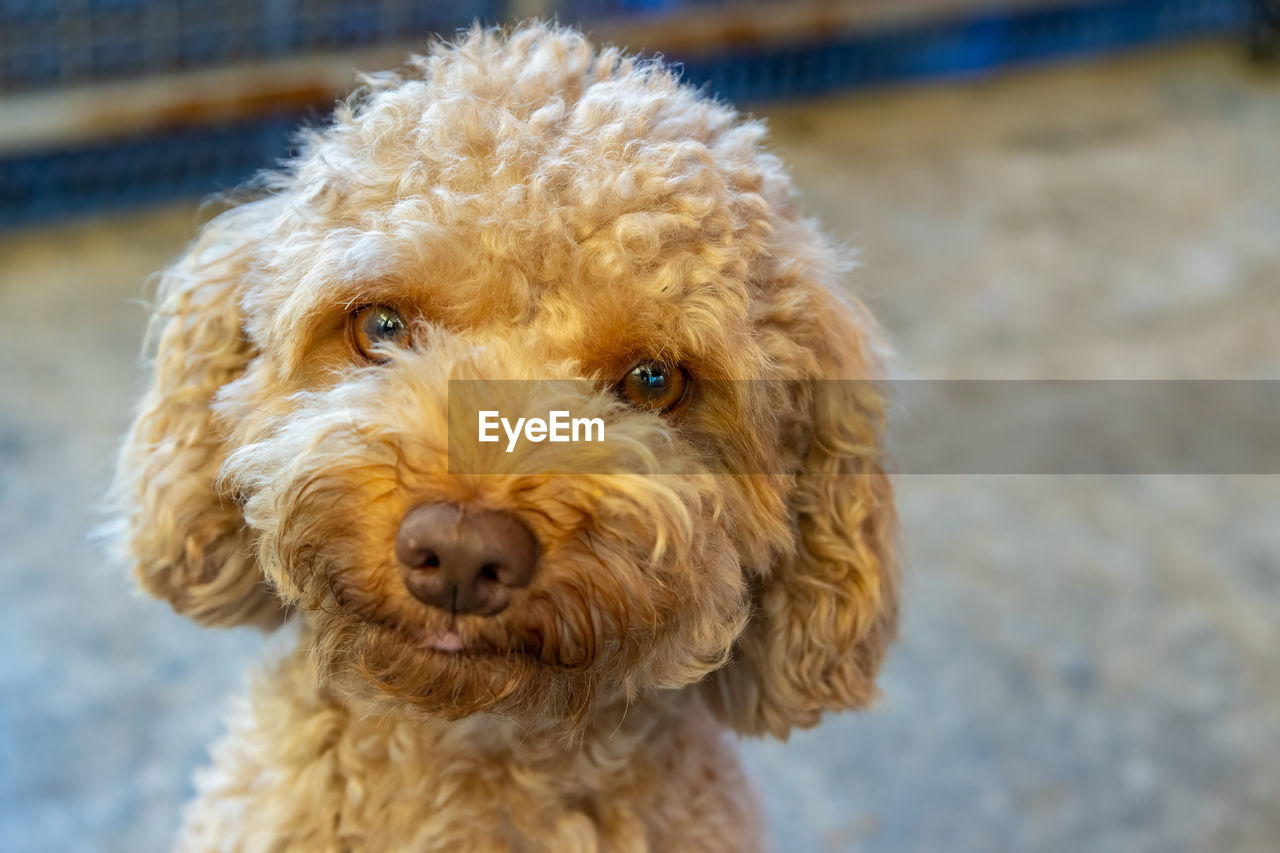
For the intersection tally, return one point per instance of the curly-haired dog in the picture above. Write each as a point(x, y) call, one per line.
point(520, 659)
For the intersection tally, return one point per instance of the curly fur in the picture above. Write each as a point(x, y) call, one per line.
point(539, 210)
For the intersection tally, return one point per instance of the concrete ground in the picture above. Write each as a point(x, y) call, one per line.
point(1086, 663)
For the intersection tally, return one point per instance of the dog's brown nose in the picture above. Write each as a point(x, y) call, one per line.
point(464, 560)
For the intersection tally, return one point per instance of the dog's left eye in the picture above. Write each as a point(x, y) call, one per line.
point(374, 325)
point(653, 385)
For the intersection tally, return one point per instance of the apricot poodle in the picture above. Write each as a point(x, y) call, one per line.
point(479, 652)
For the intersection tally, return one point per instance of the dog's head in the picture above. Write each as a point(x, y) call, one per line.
point(522, 207)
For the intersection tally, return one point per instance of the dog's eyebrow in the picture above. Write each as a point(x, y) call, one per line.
point(354, 302)
point(351, 295)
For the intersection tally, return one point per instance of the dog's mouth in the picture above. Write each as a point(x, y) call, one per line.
point(514, 635)
point(453, 641)
point(454, 638)
point(446, 642)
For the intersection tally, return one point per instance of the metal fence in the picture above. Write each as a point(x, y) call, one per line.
point(57, 42)
point(45, 46)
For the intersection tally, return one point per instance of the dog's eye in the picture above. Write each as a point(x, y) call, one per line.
point(653, 385)
point(374, 325)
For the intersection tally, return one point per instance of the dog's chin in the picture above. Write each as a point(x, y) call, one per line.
point(449, 672)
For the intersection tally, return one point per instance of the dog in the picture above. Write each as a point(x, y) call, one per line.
point(479, 652)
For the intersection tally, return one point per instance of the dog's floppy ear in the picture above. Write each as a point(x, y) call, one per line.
point(827, 610)
point(184, 536)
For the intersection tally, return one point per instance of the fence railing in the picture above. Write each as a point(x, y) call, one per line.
point(115, 103)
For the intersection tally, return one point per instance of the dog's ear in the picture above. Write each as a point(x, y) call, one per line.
point(827, 609)
point(183, 535)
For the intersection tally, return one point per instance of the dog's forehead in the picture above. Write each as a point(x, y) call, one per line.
point(538, 150)
point(536, 184)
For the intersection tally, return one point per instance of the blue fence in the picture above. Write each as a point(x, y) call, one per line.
point(192, 162)
point(962, 47)
point(55, 42)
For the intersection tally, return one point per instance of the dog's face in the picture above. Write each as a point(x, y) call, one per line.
point(525, 209)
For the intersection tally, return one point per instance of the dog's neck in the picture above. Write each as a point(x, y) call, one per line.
point(334, 770)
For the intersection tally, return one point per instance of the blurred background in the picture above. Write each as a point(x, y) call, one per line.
point(1041, 189)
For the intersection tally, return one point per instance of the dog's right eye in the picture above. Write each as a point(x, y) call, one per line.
point(376, 325)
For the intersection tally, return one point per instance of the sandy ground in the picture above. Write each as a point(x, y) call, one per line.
point(1086, 663)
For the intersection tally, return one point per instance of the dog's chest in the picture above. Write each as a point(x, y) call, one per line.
point(304, 772)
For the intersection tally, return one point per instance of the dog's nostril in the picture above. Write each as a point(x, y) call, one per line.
point(489, 571)
point(431, 561)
